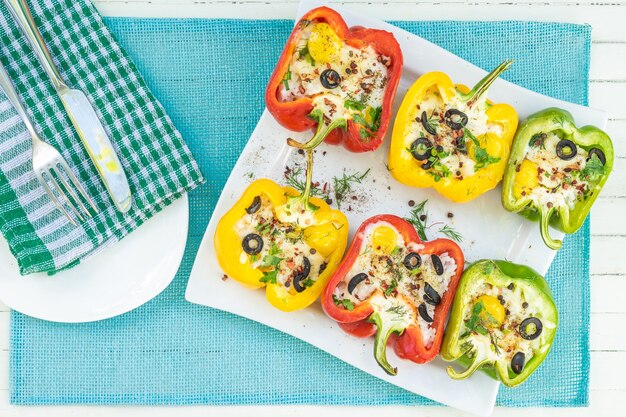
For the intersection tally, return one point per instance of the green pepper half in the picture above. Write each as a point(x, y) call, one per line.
point(503, 322)
point(581, 162)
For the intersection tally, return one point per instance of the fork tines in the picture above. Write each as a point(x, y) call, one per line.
point(50, 176)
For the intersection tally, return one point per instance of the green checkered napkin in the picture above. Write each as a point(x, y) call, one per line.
point(159, 166)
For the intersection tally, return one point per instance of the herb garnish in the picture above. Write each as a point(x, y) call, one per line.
point(481, 156)
point(593, 168)
point(480, 319)
point(304, 53)
point(344, 302)
point(286, 79)
point(451, 233)
point(296, 177)
point(417, 217)
point(354, 105)
point(342, 186)
point(370, 121)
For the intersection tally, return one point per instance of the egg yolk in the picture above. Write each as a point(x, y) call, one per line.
point(385, 239)
point(526, 179)
point(324, 45)
point(493, 312)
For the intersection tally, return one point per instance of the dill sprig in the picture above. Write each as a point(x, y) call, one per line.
point(296, 177)
point(343, 186)
point(451, 233)
point(415, 218)
point(418, 216)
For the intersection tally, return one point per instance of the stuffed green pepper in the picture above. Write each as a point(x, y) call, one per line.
point(556, 171)
point(503, 321)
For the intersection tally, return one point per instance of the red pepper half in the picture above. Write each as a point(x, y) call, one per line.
point(399, 296)
point(317, 44)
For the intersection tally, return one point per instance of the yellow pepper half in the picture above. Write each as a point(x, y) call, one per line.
point(489, 151)
point(323, 229)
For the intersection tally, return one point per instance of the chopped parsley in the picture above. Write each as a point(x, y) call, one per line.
point(480, 319)
point(344, 302)
point(483, 159)
point(354, 105)
point(369, 120)
point(593, 168)
point(269, 277)
point(286, 79)
point(304, 53)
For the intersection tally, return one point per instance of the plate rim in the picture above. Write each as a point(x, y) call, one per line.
point(125, 307)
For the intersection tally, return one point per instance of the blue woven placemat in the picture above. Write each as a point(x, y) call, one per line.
point(210, 75)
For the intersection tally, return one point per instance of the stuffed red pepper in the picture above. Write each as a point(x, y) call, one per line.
point(340, 81)
point(392, 283)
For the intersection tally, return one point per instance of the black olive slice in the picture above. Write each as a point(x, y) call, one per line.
point(597, 152)
point(301, 275)
point(412, 261)
point(431, 296)
point(529, 324)
point(566, 149)
point(355, 281)
point(456, 119)
point(518, 362)
point(330, 79)
point(427, 127)
point(421, 149)
point(252, 244)
point(437, 264)
point(255, 206)
point(423, 310)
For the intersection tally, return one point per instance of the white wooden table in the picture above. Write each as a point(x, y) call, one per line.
point(608, 231)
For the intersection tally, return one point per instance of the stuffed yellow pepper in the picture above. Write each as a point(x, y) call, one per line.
point(288, 243)
point(451, 139)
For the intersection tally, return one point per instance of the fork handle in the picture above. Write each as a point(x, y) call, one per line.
point(9, 91)
point(24, 19)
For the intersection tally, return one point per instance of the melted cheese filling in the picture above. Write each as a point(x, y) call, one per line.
point(452, 162)
point(363, 75)
point(502, 343)
point(284, 248)
point(560, 182)
point(390, 283)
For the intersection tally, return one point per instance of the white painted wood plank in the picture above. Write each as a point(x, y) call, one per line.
point(607, 296)
point(607, 20)
point(604, 336)
point(608, 61)
point(608, 218)
point(608, 257)
point(610, 97)
point(608, 370)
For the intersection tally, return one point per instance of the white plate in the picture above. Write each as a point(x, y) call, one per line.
point(119, 279)
point(488, 230)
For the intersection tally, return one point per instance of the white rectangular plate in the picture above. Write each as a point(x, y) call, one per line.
point(488, 230)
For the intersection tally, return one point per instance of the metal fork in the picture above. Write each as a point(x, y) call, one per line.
point(48, 164)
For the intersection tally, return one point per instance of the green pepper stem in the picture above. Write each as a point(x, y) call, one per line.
point(484, 84)
point(306, 194)
point(478, 361)
point(384, 329)
point(544, 219)
point(320, 134)
point(301, 203)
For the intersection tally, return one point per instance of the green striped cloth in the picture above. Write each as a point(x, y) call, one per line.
point(159, 165)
